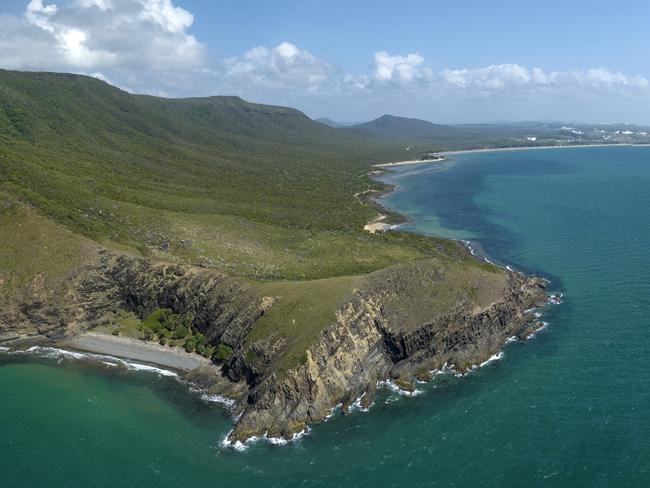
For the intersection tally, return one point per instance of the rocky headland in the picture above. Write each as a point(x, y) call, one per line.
point(398, 323)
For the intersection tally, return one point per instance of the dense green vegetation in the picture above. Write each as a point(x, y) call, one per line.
point(422, 136)
point(253, 190)
point(175, 330)
point(259, 192)
point(406, 128)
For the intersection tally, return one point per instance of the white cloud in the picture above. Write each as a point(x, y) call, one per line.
point(282, 66)
point(171, 19)
point(600, 78)
point(79, 35)
point(102, 5)
point(399, 69)
point(493, 77)
point(504, 77)
point(146, 45)
point(39, 15)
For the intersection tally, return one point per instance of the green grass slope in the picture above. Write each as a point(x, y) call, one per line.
point(422, 136)
point(254, 190)
point(262, 193)
point(405, 128)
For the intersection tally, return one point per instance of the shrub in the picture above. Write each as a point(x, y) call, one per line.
point(180, 332)
point(222, 352)
point(250, 357)
point(163, 323)
point(200, 339)
point(190, 344)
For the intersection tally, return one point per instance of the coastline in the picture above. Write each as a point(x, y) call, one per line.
point(528, 148)
point(405, 163)
point(492, 149)
point(136, 350)
point(379, 223)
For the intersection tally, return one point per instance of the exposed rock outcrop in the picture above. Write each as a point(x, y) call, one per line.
point(223, 308)
point(364, 345)
point(397, 323)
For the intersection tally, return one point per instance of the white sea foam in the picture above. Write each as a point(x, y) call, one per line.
point(228, 402)
point(445, 369)
point(51, 352)
point(468, 244)
point(450, 369)
point(150, 369)
point(396, 389)
point(237, 445)
point(333, 411)
point(491, 359)
point(4, 349)
point(512, 339)
point(276, 441)
point(534, 333)
point(358, 407)
point(281, 441)
point(111, 361)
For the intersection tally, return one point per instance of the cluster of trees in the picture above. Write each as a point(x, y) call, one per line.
point(175, 329)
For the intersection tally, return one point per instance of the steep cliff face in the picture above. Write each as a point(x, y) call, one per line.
point(223, 308)
point(396, 323)
point(365, 344)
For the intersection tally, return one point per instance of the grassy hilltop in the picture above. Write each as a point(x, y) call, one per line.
point(261, 193)
point(254, 190)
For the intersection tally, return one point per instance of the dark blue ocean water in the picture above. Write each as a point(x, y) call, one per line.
point(569, 408)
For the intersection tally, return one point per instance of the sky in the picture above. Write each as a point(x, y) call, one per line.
point(443, 61)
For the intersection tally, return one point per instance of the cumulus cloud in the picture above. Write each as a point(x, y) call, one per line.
point(146, 46)
point(399, 69)
point(284, 65)
point(503, 77)
point(78, 35)
point(410, 71)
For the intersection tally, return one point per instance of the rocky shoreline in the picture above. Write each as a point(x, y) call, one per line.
point(135, 349)
point(396, 324)
point(381, 333)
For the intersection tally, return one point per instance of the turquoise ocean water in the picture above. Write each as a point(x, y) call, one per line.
point(569, 408)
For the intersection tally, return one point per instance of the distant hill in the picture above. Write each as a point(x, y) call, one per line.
point(329, 122)
point(201, 153)
point(422, 136)
point(390, 126)
point(252, 187)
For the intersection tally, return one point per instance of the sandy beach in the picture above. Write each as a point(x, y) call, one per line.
point(528, 148)
point(377, 225)
point(493, 149)
point(404, 163)
point(135, 349)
